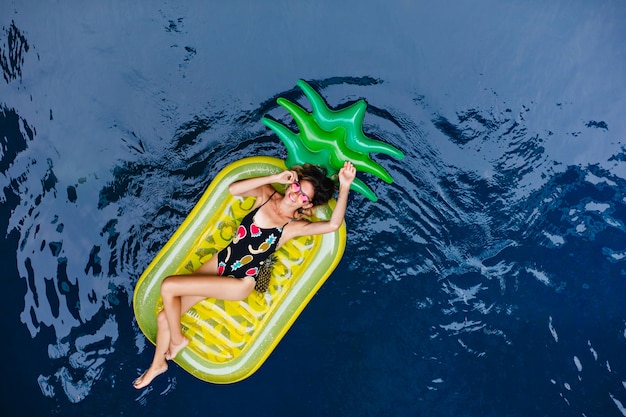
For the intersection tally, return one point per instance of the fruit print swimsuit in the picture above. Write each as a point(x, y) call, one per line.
point(249, 249)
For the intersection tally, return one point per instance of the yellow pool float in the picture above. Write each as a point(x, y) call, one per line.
point(229, 340)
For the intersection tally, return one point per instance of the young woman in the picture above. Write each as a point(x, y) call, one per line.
point(231, 274)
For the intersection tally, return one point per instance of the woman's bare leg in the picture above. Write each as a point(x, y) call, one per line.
point(176, 288)
point(179, 294)
point(159, 363)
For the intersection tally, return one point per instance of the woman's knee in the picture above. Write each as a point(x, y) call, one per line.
point(167, 285)
point(161, 318)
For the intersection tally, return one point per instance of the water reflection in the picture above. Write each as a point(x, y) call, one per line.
point(511, 250)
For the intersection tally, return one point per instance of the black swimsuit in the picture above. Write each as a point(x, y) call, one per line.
point(250, 247)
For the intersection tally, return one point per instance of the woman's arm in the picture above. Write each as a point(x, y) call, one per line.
point(255, 187)
point(346, 176)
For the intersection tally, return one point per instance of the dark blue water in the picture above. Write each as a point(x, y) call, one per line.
point(489, 279)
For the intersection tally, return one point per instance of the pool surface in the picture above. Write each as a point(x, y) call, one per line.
point(488, 280)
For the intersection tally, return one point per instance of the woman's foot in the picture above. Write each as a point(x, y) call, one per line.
point(174, 349)
point(146, 378)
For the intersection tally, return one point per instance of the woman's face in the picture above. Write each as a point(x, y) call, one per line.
point(301, 193)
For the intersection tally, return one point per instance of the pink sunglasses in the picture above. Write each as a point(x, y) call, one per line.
point(297, 189)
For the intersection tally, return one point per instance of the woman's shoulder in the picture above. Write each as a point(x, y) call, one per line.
point(295, 226)
point(266, 193)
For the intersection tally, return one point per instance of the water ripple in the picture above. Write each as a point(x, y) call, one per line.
point(480, 243)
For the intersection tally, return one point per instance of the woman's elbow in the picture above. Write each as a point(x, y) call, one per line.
point(333, 226)
point(233, 189)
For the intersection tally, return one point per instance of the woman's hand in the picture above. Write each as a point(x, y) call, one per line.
point(286, 177)
point(347, 173)
point(261, 186)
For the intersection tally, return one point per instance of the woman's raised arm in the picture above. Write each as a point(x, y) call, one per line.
point(253, 187)
point(346, 176)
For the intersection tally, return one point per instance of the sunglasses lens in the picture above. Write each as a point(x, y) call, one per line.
point(296, 189)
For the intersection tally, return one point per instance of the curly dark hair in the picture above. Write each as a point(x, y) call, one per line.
point(318, 176)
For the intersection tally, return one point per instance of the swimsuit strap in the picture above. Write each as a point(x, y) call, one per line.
point(290, 220)
point(270, 197)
